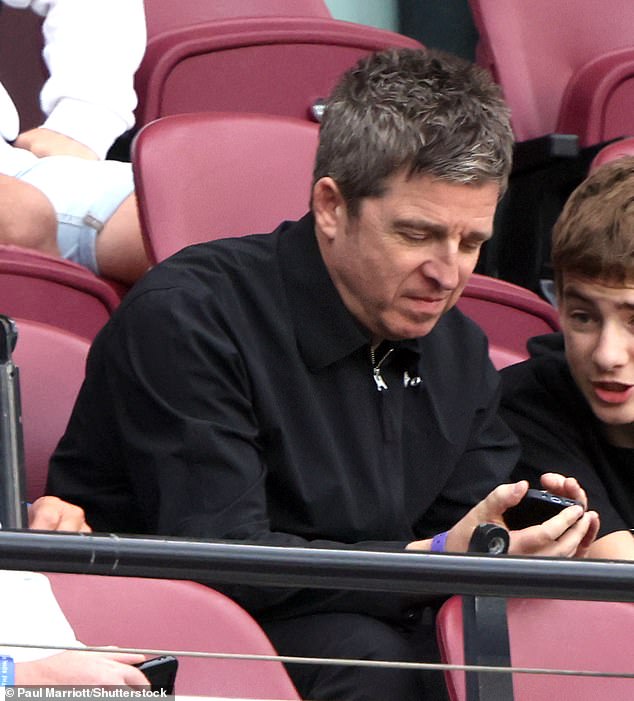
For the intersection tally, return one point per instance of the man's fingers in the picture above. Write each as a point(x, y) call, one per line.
point(52, 514)
point(504, 496)
point(560, 536)
point(591, 534)
point(564, 486)
point(569, 543)
point(558, 525)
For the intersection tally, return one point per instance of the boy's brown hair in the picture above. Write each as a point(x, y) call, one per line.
point(594, 235)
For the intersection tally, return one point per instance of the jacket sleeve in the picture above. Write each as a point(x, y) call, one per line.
point(92, 49)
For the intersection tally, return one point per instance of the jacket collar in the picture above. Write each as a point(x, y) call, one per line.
point(326, 331)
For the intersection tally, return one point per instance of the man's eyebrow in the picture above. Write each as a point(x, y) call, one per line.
point(419, 224)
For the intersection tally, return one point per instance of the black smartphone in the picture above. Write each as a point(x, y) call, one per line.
point(537, 506)
point(160, 672)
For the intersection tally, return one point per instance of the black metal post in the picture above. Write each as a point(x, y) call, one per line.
point(13, 511)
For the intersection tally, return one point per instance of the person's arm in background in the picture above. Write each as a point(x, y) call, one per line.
point(82, 667)
point(33, 616)
point(71, 666)
point(92, 49)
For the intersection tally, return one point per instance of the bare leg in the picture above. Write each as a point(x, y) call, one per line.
point(120, 250)
point(27, 217)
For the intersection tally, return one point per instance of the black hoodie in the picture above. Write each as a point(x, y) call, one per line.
point(559, 433)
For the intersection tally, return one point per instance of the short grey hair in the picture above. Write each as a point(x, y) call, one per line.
point(421, 111)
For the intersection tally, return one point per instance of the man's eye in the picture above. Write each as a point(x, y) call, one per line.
point(471, 245)
point(413, 236)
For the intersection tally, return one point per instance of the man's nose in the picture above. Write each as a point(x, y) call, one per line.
point(443, 268)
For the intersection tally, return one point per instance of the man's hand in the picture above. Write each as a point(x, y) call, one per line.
point(53, 514)
point(568, 534)
point(564, 487)
point(46, 142)
point(82, 667)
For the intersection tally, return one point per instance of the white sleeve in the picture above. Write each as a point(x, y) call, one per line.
point(92, 49)
point(32, 616)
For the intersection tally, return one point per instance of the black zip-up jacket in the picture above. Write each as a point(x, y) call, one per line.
point(559, 433)
point(232, 396)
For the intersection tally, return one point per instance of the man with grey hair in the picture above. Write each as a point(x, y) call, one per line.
point(317, 387)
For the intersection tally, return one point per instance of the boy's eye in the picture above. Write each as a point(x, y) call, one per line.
point(580, 319)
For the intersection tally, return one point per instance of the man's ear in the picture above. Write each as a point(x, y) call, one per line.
point(329, 207)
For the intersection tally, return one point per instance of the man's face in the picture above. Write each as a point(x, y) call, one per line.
point(597, 320)
point(406, 258)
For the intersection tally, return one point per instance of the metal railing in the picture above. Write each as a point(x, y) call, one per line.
point(404, 572)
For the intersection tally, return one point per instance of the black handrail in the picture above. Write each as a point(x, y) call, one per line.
point(405, 572)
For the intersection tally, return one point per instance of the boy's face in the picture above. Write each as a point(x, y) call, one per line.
point(597, 318)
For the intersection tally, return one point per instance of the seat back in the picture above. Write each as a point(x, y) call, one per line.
point(508, 314)
point(617, 149)
point(552, 634)
point(36, 286)
point(204, 176)
point(51, 363)
point(176, 615)
point(166, 15)
point(537, 49)
point(275, 65)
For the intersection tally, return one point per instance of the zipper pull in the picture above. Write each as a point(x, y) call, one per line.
point(381, 384)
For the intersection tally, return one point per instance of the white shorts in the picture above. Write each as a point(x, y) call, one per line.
point(85, 194)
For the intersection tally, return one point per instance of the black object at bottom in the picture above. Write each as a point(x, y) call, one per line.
point(160, 672)
point(486, 639)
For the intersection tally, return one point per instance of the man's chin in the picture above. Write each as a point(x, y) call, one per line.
point(412, 328)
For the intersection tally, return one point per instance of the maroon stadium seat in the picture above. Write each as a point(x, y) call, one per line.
point(552, 634)
point(277, 65)
point(37, 286)
point(204, 176)
point(617, 149)
point(508, 314)
point(565, 67)
point(176, 615)
point(51, 364)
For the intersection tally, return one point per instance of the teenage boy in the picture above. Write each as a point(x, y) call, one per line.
point(572, 403)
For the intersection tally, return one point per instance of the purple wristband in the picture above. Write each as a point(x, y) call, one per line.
point(438, 542)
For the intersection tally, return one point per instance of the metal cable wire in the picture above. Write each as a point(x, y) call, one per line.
point(286, 659)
